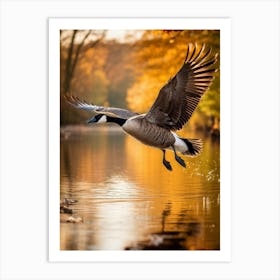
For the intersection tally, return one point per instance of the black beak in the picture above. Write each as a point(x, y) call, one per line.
point(92, 120)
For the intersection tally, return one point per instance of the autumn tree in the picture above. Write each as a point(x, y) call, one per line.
point(119, 69)
point(73, 43)
point(102, 76)
point(73, 46)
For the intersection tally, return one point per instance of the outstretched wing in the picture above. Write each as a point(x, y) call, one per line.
point(95, 110)
point(178, 99)
point(81, 104)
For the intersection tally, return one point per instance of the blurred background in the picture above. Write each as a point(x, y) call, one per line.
point(127, 69)
point(123, 197)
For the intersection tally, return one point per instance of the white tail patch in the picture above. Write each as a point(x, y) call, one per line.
point(189, 147)
point(180, 145)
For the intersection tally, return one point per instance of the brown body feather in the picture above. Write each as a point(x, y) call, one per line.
point(148, 133)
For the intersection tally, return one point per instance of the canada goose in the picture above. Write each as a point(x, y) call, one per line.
point(173, 107)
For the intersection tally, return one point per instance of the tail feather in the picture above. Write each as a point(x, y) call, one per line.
point(194, 146)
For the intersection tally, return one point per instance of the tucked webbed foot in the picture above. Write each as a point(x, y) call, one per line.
point(165, 162)
point(179, 159)
point(167, 165)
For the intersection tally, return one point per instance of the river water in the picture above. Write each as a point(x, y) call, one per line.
point(129, 200)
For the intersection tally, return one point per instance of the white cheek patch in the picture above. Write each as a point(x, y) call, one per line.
point(103, 119)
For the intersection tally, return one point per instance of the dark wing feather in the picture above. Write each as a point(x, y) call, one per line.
point(178, 99)
point(95, 110)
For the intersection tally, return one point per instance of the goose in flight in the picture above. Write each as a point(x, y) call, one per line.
point(172, 109)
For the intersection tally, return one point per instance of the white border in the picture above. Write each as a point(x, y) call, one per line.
point(222, 24)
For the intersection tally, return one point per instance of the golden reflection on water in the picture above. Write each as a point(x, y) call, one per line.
point(125, 194)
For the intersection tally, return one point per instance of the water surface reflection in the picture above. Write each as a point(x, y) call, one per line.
point(127, 197)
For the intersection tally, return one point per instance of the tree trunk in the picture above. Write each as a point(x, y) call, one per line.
point(68, 67)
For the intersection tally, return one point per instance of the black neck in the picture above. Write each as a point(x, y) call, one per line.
point(118, 121)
